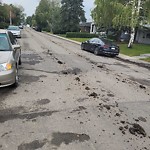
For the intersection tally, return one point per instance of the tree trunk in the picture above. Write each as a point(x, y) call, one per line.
point(132, 35)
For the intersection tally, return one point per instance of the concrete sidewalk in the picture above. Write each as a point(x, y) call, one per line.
point(134, 60)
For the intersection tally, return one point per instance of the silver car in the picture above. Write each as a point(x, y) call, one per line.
point(10, 58)
point(16, 31)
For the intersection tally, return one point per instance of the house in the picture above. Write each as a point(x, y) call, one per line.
point(143, 35)
point(88, 27)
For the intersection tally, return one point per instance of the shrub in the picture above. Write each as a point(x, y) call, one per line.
point(80, 35)
point(3, 25)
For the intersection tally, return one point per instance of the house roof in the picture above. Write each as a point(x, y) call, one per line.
point(85, 24)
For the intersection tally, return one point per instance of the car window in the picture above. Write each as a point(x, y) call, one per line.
point(13, 28)
point(105, 41)
point(99, 41)
point(4, 44)
point(92, 40)
point(12, 38)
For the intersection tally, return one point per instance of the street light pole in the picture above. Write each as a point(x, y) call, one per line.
point(10, 15)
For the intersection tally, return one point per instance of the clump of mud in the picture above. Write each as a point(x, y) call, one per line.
point(137, 129)
point(74, 71)
point(93, 95)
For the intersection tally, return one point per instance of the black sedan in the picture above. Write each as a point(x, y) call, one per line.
point(100, 46)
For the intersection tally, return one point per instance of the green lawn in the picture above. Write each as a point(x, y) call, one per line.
point(80, 39)
point(136, 50)
point(146, 59)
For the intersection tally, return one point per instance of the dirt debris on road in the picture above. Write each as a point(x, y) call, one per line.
point(71, 99)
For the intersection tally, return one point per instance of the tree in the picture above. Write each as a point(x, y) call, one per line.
point(123, 13)
point(11, 12)
point(72, 14)
point(47, 14)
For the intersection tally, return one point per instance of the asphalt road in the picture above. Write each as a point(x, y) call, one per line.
point(69, 99)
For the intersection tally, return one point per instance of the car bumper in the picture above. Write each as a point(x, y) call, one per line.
point(17, 36)
point(110, 53)
point(7, 78)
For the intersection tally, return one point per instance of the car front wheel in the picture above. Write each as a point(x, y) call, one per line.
point(16, 78)
point(82, 47)
point(96, 51)
point(20, 61)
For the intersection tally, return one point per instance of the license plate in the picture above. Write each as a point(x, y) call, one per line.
point(113, 48)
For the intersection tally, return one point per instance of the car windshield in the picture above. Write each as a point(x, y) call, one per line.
point(108, 42)
point(16, 28)
point(4, 45)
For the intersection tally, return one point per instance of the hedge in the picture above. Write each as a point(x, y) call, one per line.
point(80, 35)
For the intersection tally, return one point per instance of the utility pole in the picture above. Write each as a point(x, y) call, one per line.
point(10, 17)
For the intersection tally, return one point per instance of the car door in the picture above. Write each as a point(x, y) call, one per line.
point(94, 44)
point(91, 44)
point(16, 49)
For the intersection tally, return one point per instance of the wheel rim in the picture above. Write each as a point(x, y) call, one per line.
point(82, 47)
point(96, 52)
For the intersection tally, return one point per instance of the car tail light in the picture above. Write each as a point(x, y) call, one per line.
point(106, 46)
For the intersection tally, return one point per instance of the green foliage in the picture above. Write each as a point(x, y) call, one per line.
point(29, 20)
point(136, 50)
point(47, 15)
point(80, 35)
point(17, 15)
point(123, 13)
point(71, 14)
point(80, 39)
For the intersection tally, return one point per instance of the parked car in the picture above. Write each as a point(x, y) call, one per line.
point(125, 37)
point(21, 26)
point(15, 31)
point(38, 28)
point(10, 58)
point(100, 46)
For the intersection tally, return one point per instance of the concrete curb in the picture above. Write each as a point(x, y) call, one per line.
point(121, 57)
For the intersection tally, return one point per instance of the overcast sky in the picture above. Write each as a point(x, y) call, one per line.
point(30, 6)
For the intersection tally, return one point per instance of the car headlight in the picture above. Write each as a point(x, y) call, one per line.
point(5, 66)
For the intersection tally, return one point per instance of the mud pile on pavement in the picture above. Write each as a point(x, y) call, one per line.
point(74, 71)
point(137, 129)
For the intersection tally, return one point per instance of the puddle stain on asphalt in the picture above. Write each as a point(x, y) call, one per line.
point(4, 92)
point(29, 78)
point(10, 114)
point(43, 101)
point(33, 145)
point(67, 138)
point(31, 59)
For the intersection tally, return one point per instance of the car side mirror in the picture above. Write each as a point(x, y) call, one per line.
point(16, 46)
